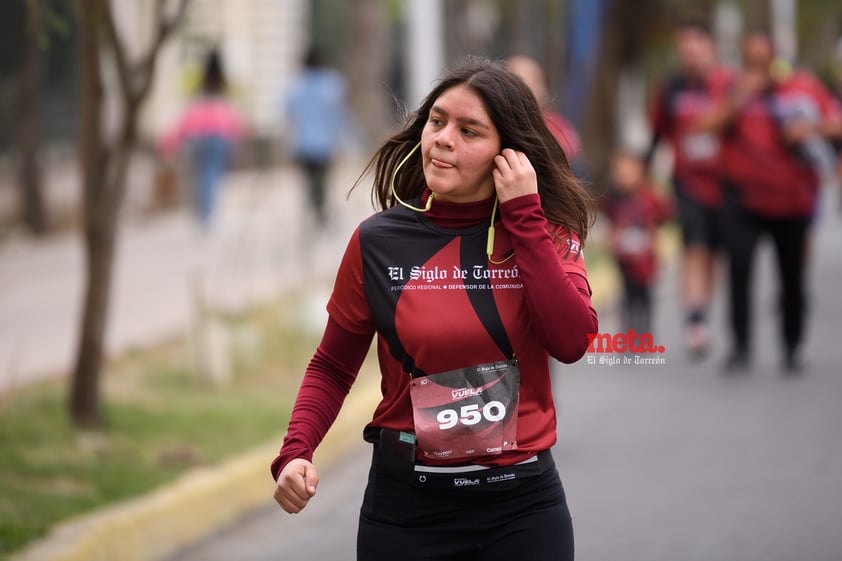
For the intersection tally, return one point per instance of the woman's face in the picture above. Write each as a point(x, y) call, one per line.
point(458, 145)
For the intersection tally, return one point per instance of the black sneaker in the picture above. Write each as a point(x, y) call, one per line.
point(738, 362)
point(792, 365)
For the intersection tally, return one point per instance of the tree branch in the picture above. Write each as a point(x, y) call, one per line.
point(118, 50)
point(166, 27)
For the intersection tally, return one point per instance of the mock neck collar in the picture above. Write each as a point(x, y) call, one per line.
point(457, 215)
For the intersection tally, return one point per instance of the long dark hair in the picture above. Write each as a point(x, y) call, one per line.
point(213, 78)
point(520, 123)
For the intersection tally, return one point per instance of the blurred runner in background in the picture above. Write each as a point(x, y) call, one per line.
point(315, 107)
point(680, 106)
point(770, 121)
point(528, 70)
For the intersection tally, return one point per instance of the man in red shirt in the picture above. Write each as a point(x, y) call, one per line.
point(770, 120)
point(679, 110)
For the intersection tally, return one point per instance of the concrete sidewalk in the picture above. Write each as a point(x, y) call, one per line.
point(263, 243)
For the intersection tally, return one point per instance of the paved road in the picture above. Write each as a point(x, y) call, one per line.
point(681, 462)
point(674, 462)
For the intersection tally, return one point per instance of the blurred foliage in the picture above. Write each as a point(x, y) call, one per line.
point(54, 19)
point(819, 32)
point(328, 29)
point(57, 37)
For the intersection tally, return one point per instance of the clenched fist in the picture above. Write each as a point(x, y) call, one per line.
point(296, 485)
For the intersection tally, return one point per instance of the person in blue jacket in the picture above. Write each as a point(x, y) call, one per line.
point(315, 108)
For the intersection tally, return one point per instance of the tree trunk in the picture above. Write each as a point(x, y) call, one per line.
point(101, 238)
point(601, 124)
point(368, 68)
point(29, 127)
point(624, 37)
point(100, 241)
point(105, 165)
point(84, 395)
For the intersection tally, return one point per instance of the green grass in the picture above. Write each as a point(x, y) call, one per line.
point(161, 419)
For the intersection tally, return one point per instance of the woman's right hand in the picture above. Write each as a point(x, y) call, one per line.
point(296, 485)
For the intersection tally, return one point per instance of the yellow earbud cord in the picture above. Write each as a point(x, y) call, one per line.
point(489, 245)
point(429, 204)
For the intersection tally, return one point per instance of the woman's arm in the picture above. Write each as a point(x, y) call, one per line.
point(559, 300)
point(559, 303)
point(326, 383)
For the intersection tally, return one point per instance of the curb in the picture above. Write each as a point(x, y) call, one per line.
point(156, 526)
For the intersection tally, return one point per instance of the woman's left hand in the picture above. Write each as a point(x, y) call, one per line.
point(513, 175)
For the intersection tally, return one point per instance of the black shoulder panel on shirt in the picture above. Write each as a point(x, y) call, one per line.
point(391, 243)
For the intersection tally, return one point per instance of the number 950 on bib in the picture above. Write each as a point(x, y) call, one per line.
point(467, 412)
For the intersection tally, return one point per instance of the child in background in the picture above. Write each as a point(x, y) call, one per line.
point(634, 211)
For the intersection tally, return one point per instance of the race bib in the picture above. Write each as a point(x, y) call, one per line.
point(700, 146)
point(633, 240)
point(467, 412)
